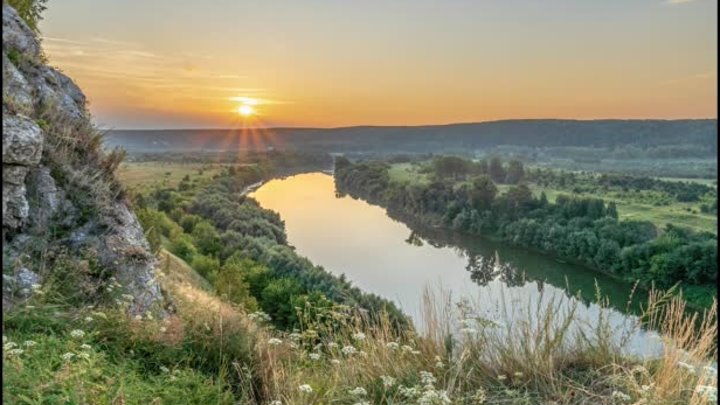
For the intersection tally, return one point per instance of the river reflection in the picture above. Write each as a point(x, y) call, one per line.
point(398, 260)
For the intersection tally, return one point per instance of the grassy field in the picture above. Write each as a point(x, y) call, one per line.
point(682, 214)
point(136, 175)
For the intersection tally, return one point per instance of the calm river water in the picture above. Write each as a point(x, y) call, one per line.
point(388, 257)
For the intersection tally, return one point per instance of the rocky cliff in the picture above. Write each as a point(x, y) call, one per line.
point(62, 205)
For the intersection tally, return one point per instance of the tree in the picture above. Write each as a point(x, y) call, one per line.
point(483, 192)
point(207, 238)
point(451, 167)
point(515, 172)
point(496, 170)
point(231, 283)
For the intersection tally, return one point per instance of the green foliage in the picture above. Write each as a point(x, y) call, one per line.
point(206, 266)
point(582, 228)
point(29, 10)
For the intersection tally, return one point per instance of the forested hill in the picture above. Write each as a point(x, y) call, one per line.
point(701, 133)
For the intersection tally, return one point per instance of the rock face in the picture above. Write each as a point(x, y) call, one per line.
point(55, 177)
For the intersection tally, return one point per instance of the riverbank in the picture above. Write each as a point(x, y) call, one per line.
point(579, 230)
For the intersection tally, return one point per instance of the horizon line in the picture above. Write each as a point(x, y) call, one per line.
point(409, 126)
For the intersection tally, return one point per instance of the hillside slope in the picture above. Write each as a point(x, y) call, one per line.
point(61, 201)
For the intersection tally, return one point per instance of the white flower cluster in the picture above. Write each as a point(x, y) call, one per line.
point(387, 381)
point(314, 356)
point(708, 392)
point(305, 388)
point(259, 316)
point(427, 394)
point(349, 350)
point(621, 396)
point(77, 333)
point(359, 336)
point(358, 392)
point(274, 341)
point(392, 345)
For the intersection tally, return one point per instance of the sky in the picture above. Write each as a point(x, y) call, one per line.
point(330, 63)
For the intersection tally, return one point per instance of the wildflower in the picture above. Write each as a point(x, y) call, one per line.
point(163, 329)
point(274, 341)
point(427, 378)
point(479, 396)
point(15, 352)
point(276, 402)
point(415, 352)
point(35, 287)
point(164, 369)
point(138, 318)
point(77, 333)
point(295, 336)
point(359, 336)
point(689, 367)
point(88, 319)
point(358, 392)
point(85, 346)
point(335, 361)
point(332, 345)
point(349, 350)
point(502, 377)
point(293, 345)
point(84, 355)
point(29, 343)
point(305, 388)
point(362, 354)
point(314, 356)
point(392, 345)
point(9, 345)
point(406, 348)
point(438, 362)
point(68, 356)
point(148, 315)
point(621, 396)
point(387, 381)
point(518, 374)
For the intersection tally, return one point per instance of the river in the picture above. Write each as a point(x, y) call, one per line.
point(387, 257)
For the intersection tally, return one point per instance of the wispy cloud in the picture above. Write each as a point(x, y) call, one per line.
point(697, 77)
point(676, 2)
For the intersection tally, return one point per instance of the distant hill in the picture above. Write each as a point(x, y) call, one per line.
point(533, 133)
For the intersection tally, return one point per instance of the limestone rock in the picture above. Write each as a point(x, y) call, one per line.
point(17, 36)
point(22, 141)
point(15, 88)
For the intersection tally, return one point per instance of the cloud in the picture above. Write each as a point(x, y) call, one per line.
point(676, 2)
point(697, 77)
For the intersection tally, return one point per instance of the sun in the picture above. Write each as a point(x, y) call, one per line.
point(246, 110)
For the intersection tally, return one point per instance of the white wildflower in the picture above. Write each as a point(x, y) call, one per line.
point(710, 370)
point(9, 345)
point(518, 374)
point(138, 318)
point(15, 352)
point(359, 336)
point(164, 369)
point(387, 381)
point(85, 346)
point(29, 343)
point(68, 356)
point(392, 345)
point(314, 356)
point(621, 396)
point(502, 377)
point(77, 333)
point(163, 329)
point(406, 348)
point(295, 336)
point(707, 391)
point(349, 350)
point(305, 388)
point(689, 367)
point(84, 355)
point(427, 378)
point(332, 345)
point(335, 361)
point(358, 392)
point(276, 402)
point(274, 341)
point(88, 319)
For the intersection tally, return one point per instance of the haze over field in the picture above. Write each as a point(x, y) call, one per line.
point(321, 63)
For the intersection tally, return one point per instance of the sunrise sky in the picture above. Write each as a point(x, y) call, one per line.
point(327, 63)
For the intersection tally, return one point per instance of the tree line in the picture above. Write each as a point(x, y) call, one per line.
point(579, 228)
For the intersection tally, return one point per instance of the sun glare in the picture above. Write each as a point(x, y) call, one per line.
point(246, 110)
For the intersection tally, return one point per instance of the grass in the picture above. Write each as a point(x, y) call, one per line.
point(209, 351)
point(677, 213)
point(146, 175)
